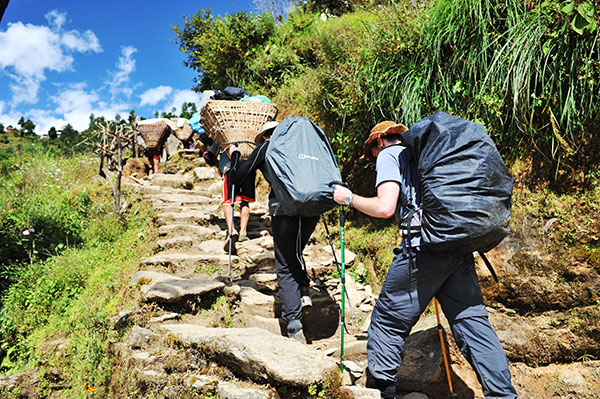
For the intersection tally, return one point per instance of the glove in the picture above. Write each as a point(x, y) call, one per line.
point(209, 158)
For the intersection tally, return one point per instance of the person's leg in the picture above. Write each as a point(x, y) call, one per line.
point(244, 217)
point(307, 227)
point(462, 303)
point(156, 162)
point(228, 189)
point(287, 239)
point(246, 195)
point(397, 309)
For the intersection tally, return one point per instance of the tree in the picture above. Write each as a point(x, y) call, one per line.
point(170, 114)
point(22, 124)
point(29, 127)
point(187, 110)
point(68, 132)
point(2, 131)
point(333, 7)
point(218, 48)
point(52, 134)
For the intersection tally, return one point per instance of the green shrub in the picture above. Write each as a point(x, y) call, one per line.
point(218, 48)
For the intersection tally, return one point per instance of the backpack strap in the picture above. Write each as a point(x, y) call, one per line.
point(489, 266)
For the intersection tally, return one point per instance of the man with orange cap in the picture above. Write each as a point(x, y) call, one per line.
point(415, 277)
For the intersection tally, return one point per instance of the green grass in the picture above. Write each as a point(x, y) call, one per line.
point(58, 298)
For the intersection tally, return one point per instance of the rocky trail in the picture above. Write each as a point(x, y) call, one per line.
point(197, 334)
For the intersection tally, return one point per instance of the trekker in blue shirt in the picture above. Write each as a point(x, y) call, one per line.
point(415, 277)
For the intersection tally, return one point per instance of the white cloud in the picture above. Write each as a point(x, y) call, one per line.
point(8, 118)
point(181, 96)
point(56, 19)
point(155, 95)
point(119, 79)
point(28, 51)
point(73, 40)
point(75, 104)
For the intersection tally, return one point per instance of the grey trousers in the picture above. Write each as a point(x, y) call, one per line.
point(405, 294)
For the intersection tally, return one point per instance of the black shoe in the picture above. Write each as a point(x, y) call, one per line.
point(387, 388)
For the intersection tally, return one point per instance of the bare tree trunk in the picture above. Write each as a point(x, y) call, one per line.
point(119, 174)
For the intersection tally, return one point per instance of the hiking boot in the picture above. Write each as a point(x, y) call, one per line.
point(294, 330)
point(386, 388)
point(243, 238)
point(298, 336)
point(234, 238)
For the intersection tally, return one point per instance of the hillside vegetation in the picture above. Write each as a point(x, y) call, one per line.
point(527, 71)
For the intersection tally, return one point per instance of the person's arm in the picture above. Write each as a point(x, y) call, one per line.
point(381, 206)
point(244, 168)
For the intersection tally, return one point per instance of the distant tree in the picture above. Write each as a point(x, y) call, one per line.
point(22, 124)
point(2, 131)
point(333, 7)
point(187, 110)
point(68, 132)
point(170, 114)
point(29, 127)
point(52, 134)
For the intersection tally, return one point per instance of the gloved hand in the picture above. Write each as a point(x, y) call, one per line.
point(209, 158)
point(234, 148)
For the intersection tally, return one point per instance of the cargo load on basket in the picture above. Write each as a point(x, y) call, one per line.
point(229, 122)
point(154, 132)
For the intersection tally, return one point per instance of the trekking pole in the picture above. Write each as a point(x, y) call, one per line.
point(337, 265)
point(442, 341)
point(234, 160)
point(342, 275)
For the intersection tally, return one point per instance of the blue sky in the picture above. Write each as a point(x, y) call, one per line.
point(62, 60)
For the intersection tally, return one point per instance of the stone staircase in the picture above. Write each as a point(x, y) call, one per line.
point(198, 332)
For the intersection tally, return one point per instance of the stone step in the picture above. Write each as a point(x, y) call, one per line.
point(179, 199)
point(184, 216)
point(191, 230)
point(179, 242)
point(199, 261)
point(174, 181)
point(257, 354)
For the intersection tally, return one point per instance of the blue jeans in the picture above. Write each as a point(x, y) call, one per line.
point(405, 294)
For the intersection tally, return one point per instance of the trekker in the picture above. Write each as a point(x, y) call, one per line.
point(153, 155)
point(290, 236)
point(415, 277)
point(244, 193)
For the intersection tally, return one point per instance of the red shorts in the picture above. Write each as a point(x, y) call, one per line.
point(243, 192)
point(153, 154)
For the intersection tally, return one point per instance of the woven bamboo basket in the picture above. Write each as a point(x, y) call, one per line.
point(184, 132)
point(154, 134)
point(236, 122)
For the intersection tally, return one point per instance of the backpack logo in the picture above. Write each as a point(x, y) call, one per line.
point(306, 156)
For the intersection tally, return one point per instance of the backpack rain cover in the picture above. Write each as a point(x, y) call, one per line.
point(300, 164)
point(465, 187)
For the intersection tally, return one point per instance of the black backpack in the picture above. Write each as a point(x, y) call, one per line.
point(466, 189)
point(300, 164)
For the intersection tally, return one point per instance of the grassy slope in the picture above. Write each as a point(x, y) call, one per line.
point(56, 315)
